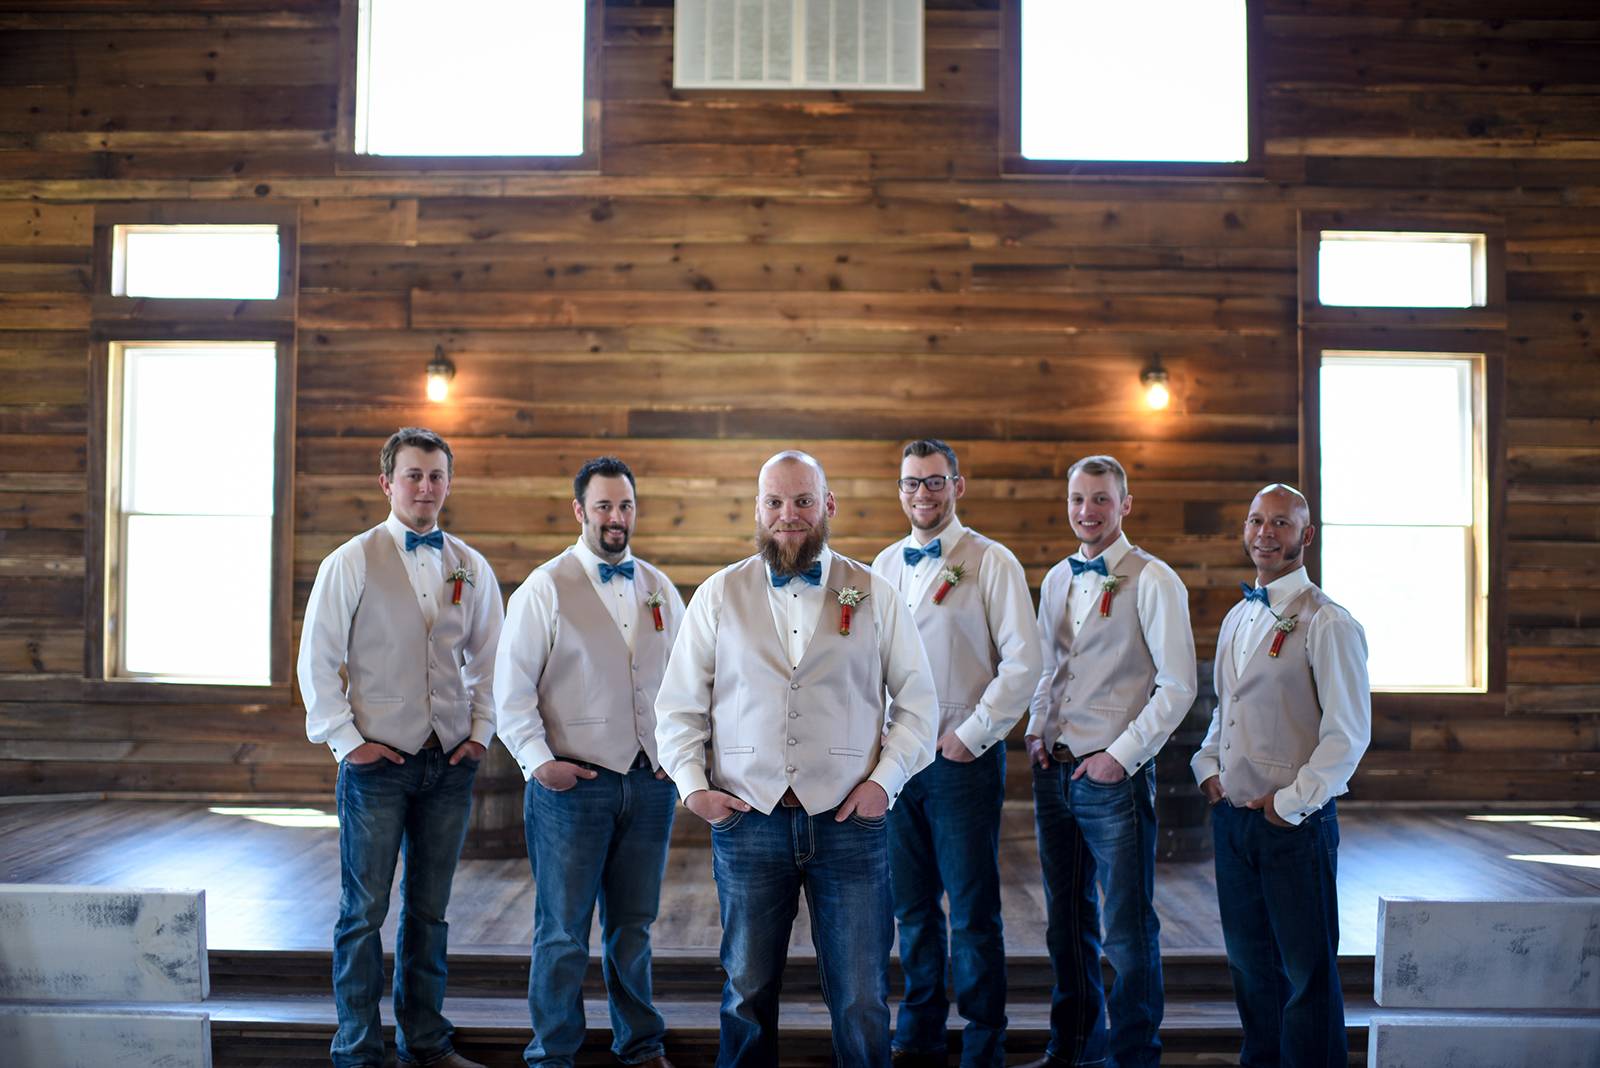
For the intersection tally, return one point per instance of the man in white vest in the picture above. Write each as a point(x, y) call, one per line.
point(1293, 718)
point(585, 644)
point(969, 597)
point(410, 615)
point(1119, 675)
point(771, 720)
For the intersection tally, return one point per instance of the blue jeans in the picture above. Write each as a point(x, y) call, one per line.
point(605, 841)
point(944, 837)
point(761, 863)
point(421, 808)
point(1090, 832)
point(1276, 889)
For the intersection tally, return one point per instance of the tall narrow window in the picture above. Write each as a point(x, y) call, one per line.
point(194, 510)
point(1404, 541)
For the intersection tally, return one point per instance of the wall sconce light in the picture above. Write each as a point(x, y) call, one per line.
point(440, 372)
point(1154, 381)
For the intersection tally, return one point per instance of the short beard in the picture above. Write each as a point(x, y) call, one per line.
point(784, 561)
point(605, 552)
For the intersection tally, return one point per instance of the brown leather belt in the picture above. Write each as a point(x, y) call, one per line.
point(432, 742)
point(789, 800)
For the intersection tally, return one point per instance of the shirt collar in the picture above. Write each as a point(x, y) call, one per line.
point(947, 538)
point(592, 562)
point(825, 558)
point(1286, 588)
point(398, 530)
point(1112, 556)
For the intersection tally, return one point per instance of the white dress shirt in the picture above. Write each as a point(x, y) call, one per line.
point(1009, 609)
point(1163, 604)
point(1337, 649)
point(683, 706)
point(325, 638)
point(530, 635)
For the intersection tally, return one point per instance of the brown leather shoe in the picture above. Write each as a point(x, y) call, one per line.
point(654, 1062)
point(449, 1060)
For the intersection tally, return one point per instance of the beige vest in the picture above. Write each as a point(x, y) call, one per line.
point(395, 662)
point(955, 632)
point(1104, 675)
point(1271, 716)
point(598, 701)
point(815, 728)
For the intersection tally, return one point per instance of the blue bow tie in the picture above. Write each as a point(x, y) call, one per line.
point(434, 538)
point(812, 576)
point(914, 556)
point(1256, 593)
point(1080, 566)
point(625, 569)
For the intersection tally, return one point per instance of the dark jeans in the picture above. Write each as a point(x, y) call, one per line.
point(761, 863)
point(1276, 890)
point(419, 808)
point(603, 841)
point(944, 837)
point(1090, 832)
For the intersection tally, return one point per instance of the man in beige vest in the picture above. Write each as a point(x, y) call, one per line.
point(771, 721)
point(410, 615)
point(580, 660)
point(1119, 675)
point(1294, 715)
point(969, 597)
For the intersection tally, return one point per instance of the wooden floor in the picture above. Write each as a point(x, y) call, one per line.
point(270, 886)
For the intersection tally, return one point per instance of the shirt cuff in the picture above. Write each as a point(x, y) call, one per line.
point(482, 730)
point(689, 778)
point(888, 776)
point(1036, 725)
point(1126, 752)
point(532, 756)
point(1290, 806)
point(1204, 765)
point(974, 735)
point(344, 739)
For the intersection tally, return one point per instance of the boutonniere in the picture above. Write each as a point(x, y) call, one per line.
point(654, 603)
point(1282, 629)
point(458, 576)
point(948, 579)
point(1109, 585)
point(849, 597)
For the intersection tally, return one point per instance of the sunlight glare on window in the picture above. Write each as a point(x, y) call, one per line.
point(471, 78)
point(206, 262)
point(1137, 80)
point(1384, 269)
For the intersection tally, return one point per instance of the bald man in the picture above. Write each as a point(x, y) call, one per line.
point(1294, 715)
point(771, 721)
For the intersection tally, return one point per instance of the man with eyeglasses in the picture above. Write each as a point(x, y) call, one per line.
point(969, 597)
point(1119, 675)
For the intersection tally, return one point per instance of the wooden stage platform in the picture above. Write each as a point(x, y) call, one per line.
point(271, 876)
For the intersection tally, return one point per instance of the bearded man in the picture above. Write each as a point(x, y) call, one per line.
point(771, 721)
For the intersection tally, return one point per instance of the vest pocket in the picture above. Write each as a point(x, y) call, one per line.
point(589, 722)
point(737, 750)
point(844, 750)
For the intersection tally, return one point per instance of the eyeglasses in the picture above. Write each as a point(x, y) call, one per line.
point(935, 483)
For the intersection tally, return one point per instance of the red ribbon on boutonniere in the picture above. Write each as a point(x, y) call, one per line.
point(1281, 630)
point(654, 603)
point(849, 597)
point(948, 579)
point(1109, 585)
point(458, 576)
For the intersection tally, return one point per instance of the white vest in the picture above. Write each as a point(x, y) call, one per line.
point(395, 661)
point(1104, 674)
point(1271, 715)
point(598, 701)
point(955, 632)
point(817, 727)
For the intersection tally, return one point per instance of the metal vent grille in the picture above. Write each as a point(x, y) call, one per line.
point(797, 44)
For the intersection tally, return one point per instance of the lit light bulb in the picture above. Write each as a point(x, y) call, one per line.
point(1156, 394)
point(438, 387)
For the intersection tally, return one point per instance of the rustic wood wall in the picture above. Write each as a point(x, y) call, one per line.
point(837, 271)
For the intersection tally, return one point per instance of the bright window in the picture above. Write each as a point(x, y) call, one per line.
point(1135, 80)
point(470, 78)
point(237, 262)
point(1403, 535)
point(1396, 269)
point(193, 514)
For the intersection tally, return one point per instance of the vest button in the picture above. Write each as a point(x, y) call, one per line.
point(1070, 675)
point(794, 686)
point(794, 715)
point(1227, 745)
point(790, 769)
point(793, 742)
point(1066, 700)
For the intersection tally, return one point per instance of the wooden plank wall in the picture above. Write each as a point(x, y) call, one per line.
point(837, 271)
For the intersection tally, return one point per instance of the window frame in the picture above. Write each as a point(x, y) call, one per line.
point(348, 161)
point(118, 320)
point(1480, 332)
point(1014, 164)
